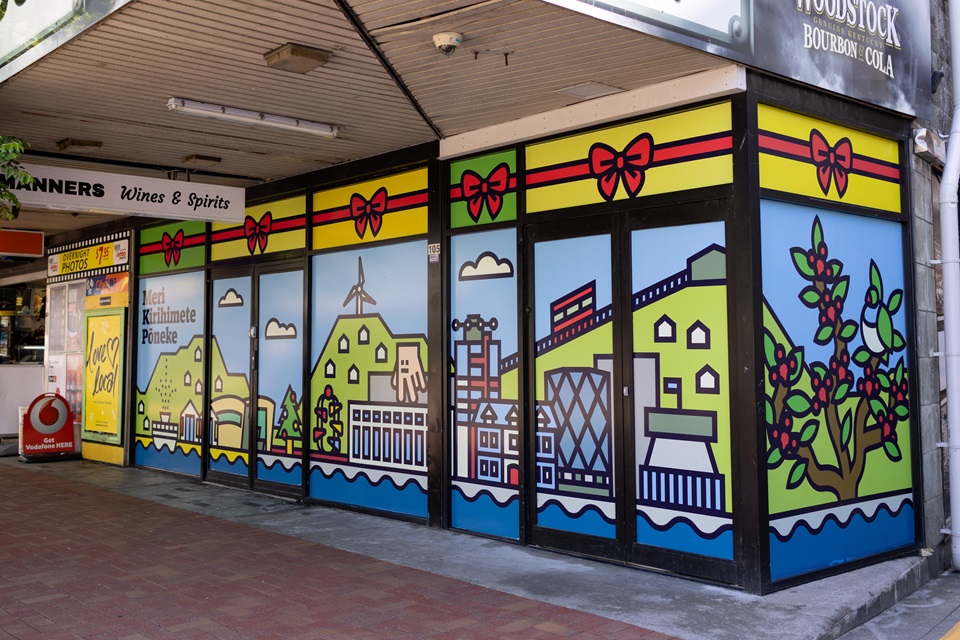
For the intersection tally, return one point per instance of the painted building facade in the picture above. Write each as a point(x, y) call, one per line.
point(565, 341)
point(690, 337)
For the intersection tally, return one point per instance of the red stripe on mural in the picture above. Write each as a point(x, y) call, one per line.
point(226, 235)
point(407, 201)
point(276, 226)
point(188, 242)
point(876, 168)
point(394, 204)
point(288, 224)
point(792, 147)
point(572, 171)
point(331, 215)
point(689, 150)
point(669, 153)
point(456, 191)
point(797, 149)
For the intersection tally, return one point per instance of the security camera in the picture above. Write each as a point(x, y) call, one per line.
point(448, 41)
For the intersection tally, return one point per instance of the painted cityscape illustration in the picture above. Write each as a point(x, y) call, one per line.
point(170, 424)
point(681, 405)
point(170, 372)
point(483, 379)
point(368, 405)
point(682, 442)
point(366, 418)
point(837, 406)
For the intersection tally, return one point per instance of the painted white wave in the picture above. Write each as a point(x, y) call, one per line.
point(373, 474)
point(575, 505)
point(814, 519)
point(500, 493)
point(269, 460)
point(703, 523)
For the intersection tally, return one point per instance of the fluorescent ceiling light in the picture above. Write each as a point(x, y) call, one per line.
point(244, 116)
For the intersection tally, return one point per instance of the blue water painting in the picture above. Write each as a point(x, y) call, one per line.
point(484, 515)
point(223, 465)
point(278, 473)
point(835, 545)
point(589, 522)
point(681, 536)
point(409, 500)
point(167, 460)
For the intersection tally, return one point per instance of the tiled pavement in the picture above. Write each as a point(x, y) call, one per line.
point(80, 561)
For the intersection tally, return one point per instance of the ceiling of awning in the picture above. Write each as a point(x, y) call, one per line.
point(386, 86)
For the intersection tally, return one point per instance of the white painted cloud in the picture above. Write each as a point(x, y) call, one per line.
point(276, 330)
point(231, 299)
point(487, 266)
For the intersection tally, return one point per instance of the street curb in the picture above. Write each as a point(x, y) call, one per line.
point(906, 583)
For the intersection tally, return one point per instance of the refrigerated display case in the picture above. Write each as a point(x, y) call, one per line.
point(4, 337)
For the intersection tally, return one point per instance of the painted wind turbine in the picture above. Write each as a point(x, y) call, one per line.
point(356, 291)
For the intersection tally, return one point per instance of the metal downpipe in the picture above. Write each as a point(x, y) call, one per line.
point(950, 266)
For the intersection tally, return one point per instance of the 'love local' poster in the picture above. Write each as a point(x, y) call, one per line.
point(103, 375)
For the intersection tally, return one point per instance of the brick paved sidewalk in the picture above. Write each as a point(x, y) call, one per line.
point(77, 561)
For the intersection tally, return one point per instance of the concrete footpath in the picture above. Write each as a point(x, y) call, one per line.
point(154, 574)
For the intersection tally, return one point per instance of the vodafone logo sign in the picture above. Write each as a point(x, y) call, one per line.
point(48, 415)
point(48, 427)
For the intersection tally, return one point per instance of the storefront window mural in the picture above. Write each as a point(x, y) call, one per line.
point(229, 417)
point(180, 245)
point(484, 372)
point(837, 390)
point(483, 190)
point(678, 151)
point(386, 208)
point(267, 228)
point(170, 372)
point(368, 404)
point(818, 159)
point(573, 320)
point(279, 412)
point(681, 389)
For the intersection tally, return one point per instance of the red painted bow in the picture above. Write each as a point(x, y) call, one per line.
point(256, 233)
point(172, 247)
point(369, 212)
point(478, 190)
point(832, 162)
point(609, 166)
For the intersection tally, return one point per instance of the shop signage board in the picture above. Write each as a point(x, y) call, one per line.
point(99, 256)
point(100, 192)
point(48, 429)
point(877, 51)
point(103, 375)
point(14, 242)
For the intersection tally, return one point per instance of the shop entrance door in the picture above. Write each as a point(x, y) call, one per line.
point(256, 378)
point(228, 419)
point(575, 413)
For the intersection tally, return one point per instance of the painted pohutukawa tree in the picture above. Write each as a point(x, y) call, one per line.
point(822, 418)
